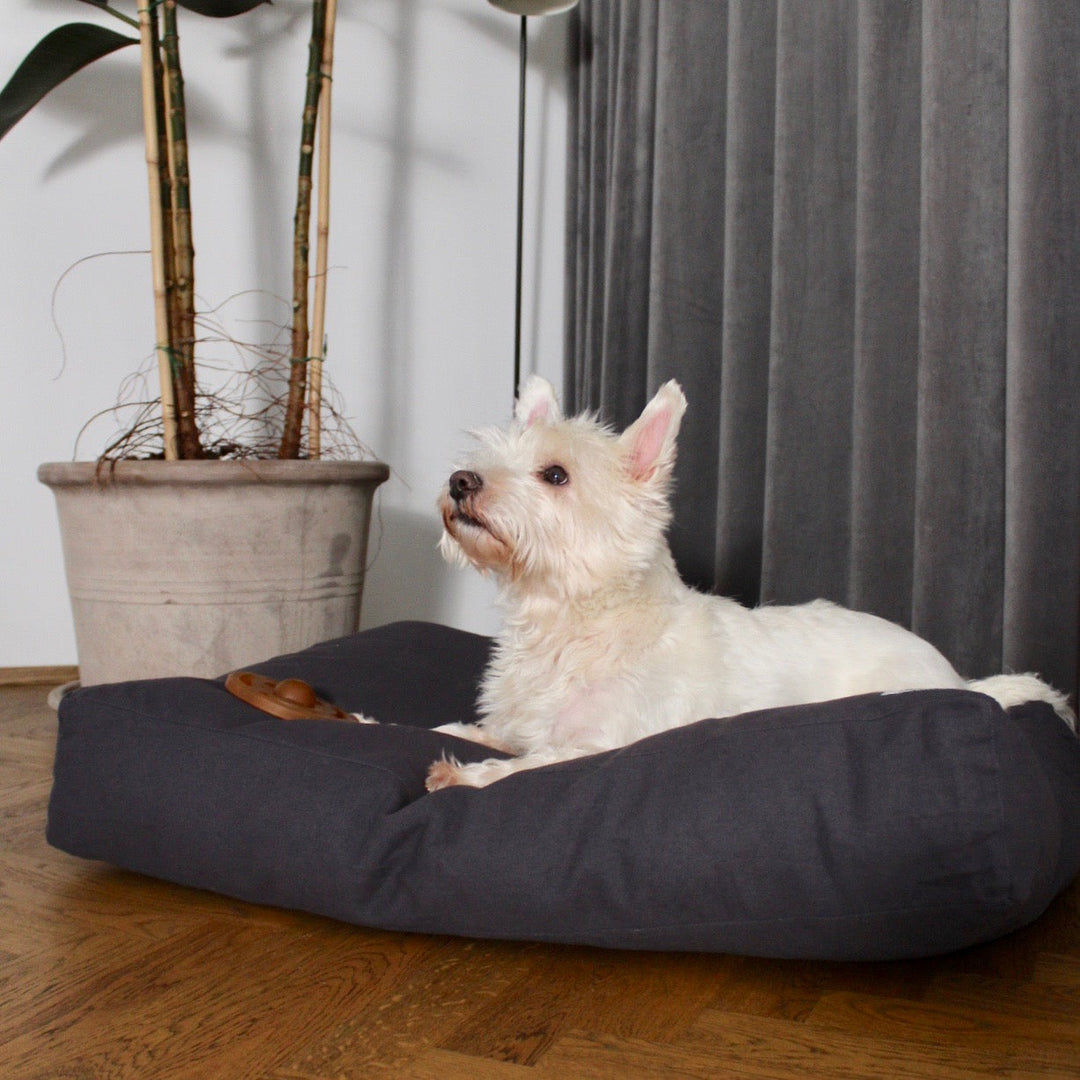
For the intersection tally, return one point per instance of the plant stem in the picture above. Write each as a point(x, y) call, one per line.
point(119, 15)
point(147, 44)
point(294, 409)
point(322, 236)
point(183, 252)
point(165, 186)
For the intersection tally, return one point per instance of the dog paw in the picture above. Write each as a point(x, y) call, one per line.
point(443, 774)
point(360, 718)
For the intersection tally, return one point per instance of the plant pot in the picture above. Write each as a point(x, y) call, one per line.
point(201, 567)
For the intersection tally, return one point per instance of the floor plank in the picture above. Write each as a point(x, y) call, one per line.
point(752, 1048)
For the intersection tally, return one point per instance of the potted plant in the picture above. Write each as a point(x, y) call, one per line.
point(206, 554)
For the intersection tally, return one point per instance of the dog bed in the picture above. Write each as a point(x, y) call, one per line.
point(863, 829)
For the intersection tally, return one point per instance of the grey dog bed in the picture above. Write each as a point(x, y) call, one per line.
point(868, 828)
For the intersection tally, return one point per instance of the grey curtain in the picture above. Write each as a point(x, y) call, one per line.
point(852, 231)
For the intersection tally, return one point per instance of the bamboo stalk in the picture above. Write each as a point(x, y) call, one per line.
point(165, 176)
point(294, 409)
point(157, 260)
point(182, 248)
point(322, 236)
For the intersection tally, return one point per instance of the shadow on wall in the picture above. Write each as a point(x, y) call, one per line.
point(407, 575)
point(409, 579)
point(547, 40)
point(397, 350)
point(265, 42)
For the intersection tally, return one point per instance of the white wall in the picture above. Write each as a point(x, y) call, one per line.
point(420, 319)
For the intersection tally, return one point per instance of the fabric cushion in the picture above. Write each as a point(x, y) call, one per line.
point(868, 828)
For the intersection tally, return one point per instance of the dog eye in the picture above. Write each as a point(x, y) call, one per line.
point(555, 475)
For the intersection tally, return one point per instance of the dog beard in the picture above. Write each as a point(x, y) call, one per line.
point(470, 538)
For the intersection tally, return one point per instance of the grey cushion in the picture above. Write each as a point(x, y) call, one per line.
point(868, 828)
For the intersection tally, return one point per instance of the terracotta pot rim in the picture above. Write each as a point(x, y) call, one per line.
point(255, 471)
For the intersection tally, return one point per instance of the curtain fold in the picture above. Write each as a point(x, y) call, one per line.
point(959, 524)
point(743, 381)
point(1042, 466)
point(886, 333)
point(807, 512)
point(851, 230)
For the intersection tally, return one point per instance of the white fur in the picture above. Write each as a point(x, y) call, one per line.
point(602, 642)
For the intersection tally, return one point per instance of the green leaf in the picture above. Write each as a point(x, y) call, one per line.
point(53, 59)
point(220, 9)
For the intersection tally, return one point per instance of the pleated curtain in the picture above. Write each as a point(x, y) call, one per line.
point(852, 231)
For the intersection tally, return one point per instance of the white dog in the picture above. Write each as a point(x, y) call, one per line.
point(602, 642)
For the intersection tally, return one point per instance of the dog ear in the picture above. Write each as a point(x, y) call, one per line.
point(536, 403)
point(648, 444)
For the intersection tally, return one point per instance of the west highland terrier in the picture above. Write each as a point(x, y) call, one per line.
point(602, 642)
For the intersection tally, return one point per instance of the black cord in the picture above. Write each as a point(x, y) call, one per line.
point(520, 202)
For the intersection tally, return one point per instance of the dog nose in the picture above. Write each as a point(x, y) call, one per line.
point(464, 483)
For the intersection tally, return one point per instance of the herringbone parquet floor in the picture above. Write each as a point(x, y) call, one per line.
point(106, 974)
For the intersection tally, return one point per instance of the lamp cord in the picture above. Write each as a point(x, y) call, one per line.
point(520, 202)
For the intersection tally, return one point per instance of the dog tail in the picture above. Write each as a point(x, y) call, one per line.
point(1010, 690)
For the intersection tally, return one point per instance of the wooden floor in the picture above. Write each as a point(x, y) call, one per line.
point(105, 974)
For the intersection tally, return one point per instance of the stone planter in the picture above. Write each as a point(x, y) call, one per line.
point(200, 567)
